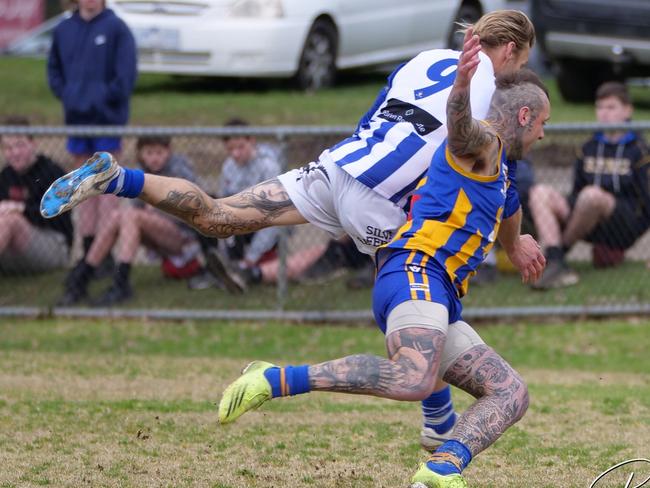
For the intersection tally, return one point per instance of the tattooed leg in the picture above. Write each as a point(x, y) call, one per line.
point(502, 396)
point(409, 373)
point(263, 205)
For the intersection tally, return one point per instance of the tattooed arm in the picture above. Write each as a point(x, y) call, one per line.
point(262, 205)
point(467, 138)
point(523, 250)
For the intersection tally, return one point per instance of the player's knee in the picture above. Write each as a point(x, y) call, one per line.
point(420, 377)
point(427, 389)
point(424, 384)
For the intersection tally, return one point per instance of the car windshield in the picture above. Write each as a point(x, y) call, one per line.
point(37, 41)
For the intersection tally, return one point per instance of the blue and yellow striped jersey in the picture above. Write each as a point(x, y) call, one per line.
point(455, 216)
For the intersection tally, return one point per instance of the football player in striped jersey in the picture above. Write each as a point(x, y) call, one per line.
point(359, 186)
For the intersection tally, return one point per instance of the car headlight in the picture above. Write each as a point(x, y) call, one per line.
point(256, 8)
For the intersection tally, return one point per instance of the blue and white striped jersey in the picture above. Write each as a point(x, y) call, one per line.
point(396, 139)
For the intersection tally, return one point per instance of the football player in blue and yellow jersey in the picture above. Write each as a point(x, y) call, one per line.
point(457, 214)
point(358, 186)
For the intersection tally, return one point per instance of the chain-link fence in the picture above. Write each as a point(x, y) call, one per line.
point(299, 273)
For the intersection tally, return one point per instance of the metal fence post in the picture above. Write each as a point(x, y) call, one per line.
point(283, 282)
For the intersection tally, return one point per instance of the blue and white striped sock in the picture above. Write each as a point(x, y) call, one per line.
point(438, 411)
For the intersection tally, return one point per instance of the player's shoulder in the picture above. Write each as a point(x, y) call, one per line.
point(433, 55)
point(441, 60)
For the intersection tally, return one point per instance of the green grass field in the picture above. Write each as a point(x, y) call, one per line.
point(166, 100)
point(87, 403)
point(125, 403)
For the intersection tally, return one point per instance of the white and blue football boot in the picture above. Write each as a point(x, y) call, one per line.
point(91, 179)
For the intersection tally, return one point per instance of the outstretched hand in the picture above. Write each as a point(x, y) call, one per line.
point(469, 59)
point(528, 258)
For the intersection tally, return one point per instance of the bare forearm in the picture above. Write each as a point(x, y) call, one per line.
point(510, 231)
point(466, 136)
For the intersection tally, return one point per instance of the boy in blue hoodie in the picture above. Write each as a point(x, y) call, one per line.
point(609, 205)
point(92, 70)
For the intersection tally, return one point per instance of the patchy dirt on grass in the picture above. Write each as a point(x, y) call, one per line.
point(69, 420)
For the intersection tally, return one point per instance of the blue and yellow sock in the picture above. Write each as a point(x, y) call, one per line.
point(438, 411)
point(288, 381)
point(128, 183)
point(450, 458)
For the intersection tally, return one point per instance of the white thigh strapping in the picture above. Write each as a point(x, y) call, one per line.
point(420, 314)
point(461, 337)
point(430, 315)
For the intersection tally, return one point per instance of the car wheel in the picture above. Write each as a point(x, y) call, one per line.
point(467, 14)
point(317, 67)
point(578, 81)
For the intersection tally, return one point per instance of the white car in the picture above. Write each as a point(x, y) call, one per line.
point(308, 39)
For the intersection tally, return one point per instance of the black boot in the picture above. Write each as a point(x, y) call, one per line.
point(120, 291)
point(106, 267)
point(76, 284)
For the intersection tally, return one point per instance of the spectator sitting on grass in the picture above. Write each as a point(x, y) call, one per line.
point(139, 224)
point(29, 243)
point(248, 163)
point(609, 205)
point(340, 256)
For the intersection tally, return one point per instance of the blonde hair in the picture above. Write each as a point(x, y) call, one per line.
point(503, 26)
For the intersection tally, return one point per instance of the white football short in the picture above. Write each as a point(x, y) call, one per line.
point(331, 199)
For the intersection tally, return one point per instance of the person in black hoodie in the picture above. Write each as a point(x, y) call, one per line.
point(29, 243)
point(91, 68)
point(609, 205)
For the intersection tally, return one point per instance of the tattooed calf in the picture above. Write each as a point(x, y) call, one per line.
point(409, 374)
point(502, 396)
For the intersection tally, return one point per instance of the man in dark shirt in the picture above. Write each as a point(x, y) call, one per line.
point(28, 242)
